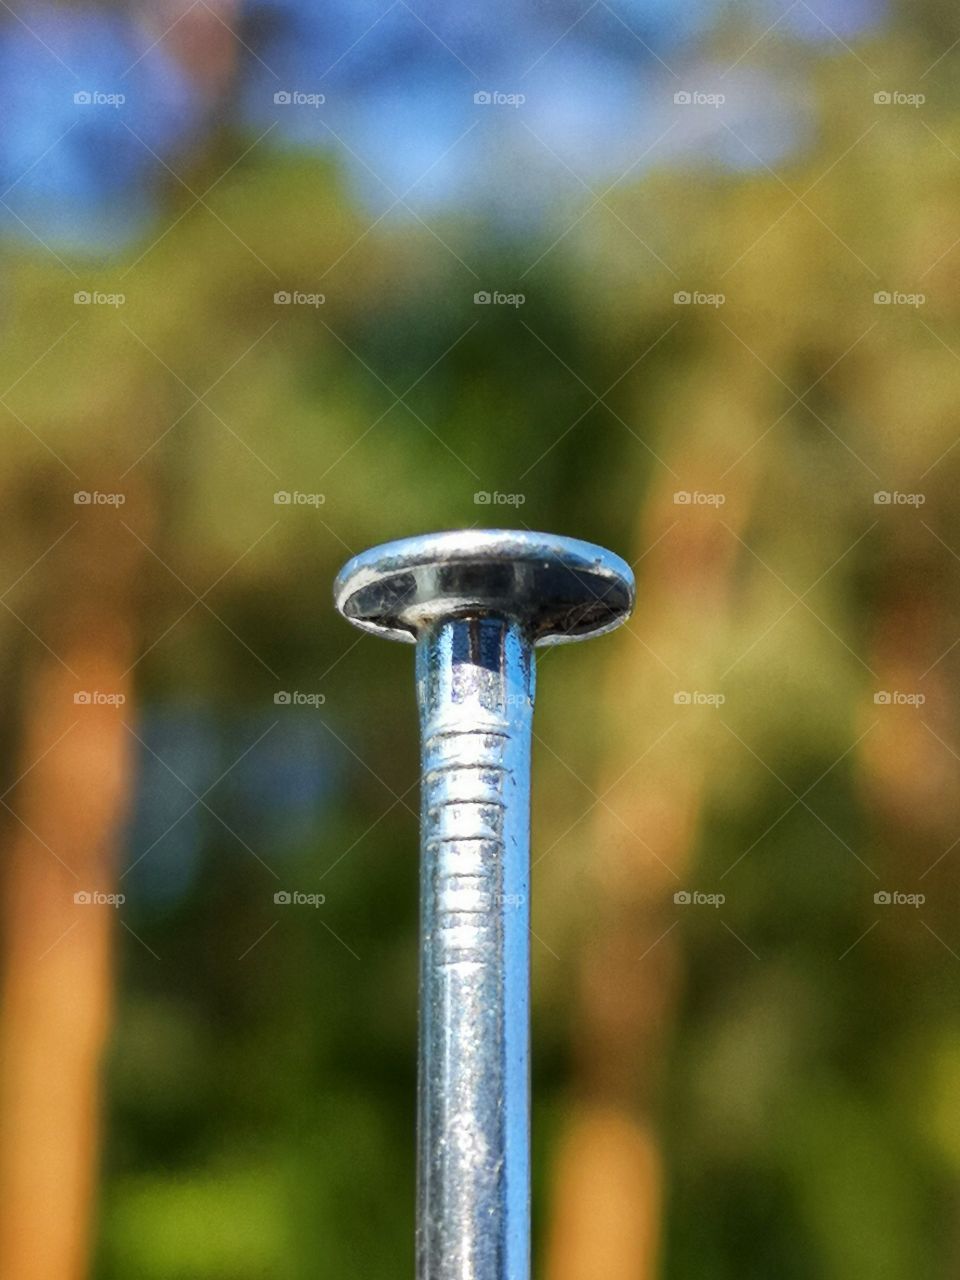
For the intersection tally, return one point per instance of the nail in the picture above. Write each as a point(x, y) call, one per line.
point(476, 603)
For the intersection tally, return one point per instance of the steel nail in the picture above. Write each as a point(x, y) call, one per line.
point(476, 603)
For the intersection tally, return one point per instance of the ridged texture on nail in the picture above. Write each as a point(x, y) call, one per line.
point(475, 684)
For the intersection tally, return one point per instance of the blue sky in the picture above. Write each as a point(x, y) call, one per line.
point(597, 83)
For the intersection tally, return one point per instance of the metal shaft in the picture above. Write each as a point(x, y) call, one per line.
point(475, 680)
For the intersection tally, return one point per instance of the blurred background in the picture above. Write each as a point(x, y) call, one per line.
point(281, 281)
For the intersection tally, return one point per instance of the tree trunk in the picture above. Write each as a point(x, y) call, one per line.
point(63, 820)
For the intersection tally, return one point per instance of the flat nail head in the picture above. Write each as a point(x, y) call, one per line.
point(560, 589)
